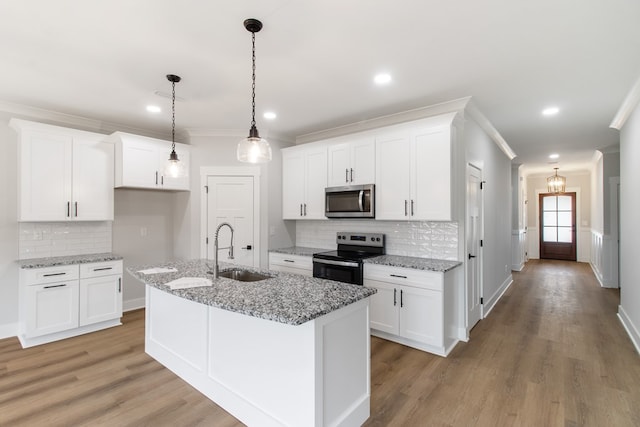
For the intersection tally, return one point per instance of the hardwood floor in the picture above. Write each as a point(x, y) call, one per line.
point(551, 353)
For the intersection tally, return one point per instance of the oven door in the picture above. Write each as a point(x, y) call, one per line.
point(341, 271)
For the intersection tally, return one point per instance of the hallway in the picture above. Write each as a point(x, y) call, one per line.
point(551, 353)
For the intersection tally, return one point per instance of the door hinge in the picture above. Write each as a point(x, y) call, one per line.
point(206, 240)
point(481, 243)
point(482, 184)
point(206, 189)
point(481, 300)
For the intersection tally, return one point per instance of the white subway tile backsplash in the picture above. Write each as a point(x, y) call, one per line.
point(47, 239)
point(438, 240)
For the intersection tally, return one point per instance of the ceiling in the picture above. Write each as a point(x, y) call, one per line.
point(316, 60)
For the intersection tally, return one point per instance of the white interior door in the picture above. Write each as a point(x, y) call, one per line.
point(230, 199)
point(473, 226)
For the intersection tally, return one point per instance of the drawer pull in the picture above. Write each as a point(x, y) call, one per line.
point(288, 260)
point(401, 302)
point(54, 274)
point(398, 276)
point(55, 286)
point(102, 268)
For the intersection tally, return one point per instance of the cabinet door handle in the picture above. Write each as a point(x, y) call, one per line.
point(351, 175)
point(300, 209)
point(397, 275)
point(162, 180)
point(54, 274)
point(156, 177)
point(395, 292)
point(401, 302)
point(102, 268)
point(76, 208)
point(346, 175)
point(68, 209)
point(411, 207)
point(405, 208)
point(305, 209)
point(55, 286)
point(119, 285)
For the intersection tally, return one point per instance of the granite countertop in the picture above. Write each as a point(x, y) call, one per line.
point(67, 260)
point(286, 298)
point(298, 250)
point(438, 265)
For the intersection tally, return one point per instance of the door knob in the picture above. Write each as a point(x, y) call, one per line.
point(248, 247)
point(471, 256)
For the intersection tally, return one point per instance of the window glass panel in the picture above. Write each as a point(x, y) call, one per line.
point(564, 234)
point(564, 219)
point(549, 203)
point(549, 218)
point(550, 234)
point(564, 203)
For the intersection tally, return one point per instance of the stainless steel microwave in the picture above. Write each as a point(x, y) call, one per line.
point(352, 201)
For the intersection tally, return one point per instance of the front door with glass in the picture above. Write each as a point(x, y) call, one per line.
point(558, 226)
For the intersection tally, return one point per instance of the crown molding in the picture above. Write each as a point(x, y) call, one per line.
point(457, 105)
point(234, 133)
point(493, 133)
point(628, 105)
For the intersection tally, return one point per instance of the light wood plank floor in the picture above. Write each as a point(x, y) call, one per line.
point(551, 353)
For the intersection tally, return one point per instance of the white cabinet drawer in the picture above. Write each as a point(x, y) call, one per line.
point(60, 273)
point(293, 261)
point(404, 276)
point(97, 269)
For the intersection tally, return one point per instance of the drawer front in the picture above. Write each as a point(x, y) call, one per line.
point(61, 273)
point(404, 276)
point(97, 269)
point(291, 261)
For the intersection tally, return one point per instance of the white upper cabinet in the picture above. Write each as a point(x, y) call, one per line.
point(140, 162)
point(304, 178)
point(353, 162)
point(64, 174)
point(414, 170)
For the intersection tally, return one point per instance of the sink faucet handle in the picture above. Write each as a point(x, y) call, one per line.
point(230, 252)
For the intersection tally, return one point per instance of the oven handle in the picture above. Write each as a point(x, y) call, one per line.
point(340, 263)
point(361, 200)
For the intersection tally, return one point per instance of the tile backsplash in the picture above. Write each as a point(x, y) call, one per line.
point(438, 240)
point(47, 239)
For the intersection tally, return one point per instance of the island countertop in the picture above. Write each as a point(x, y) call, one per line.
point(286, 298)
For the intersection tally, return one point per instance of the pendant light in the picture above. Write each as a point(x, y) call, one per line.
point(174, 167)
point(253, 149)
point(556, 184)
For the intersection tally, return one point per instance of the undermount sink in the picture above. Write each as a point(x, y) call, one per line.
point(243, 275)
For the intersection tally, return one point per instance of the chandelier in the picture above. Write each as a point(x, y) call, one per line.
point(556, 183)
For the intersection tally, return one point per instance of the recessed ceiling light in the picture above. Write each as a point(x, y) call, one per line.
point(269, 115)
point(382, 79)
point(153, 109)
point(554, 156)
point(550, 111)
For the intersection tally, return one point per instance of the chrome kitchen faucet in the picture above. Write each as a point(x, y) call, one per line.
point(216, 248)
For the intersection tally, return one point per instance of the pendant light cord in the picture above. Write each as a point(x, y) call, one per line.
point(173, 116)
point(253, 79)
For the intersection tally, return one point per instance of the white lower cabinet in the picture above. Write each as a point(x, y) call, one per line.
point(417, 308)
point(297, 264)
point(64, 301)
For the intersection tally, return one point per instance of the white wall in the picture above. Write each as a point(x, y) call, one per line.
point(482, 152)
point(629, 309)
point(8, 229)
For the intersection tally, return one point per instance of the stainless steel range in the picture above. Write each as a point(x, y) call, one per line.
point(346, 263)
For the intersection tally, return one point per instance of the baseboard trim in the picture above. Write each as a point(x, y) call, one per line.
point(628, 325)
point(133, 304)
point(491, 302)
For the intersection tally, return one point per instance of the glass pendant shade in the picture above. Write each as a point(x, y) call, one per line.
point(254, 149)
point(173, 167)
point(556, 183)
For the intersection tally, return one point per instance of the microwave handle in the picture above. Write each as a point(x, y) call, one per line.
point(361, 200)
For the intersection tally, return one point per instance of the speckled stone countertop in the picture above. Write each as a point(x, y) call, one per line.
point(67, 260)
point(298, 250)
point(438, 265)
point(286, 298)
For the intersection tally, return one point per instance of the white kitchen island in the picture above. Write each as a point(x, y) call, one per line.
point(286, 351)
